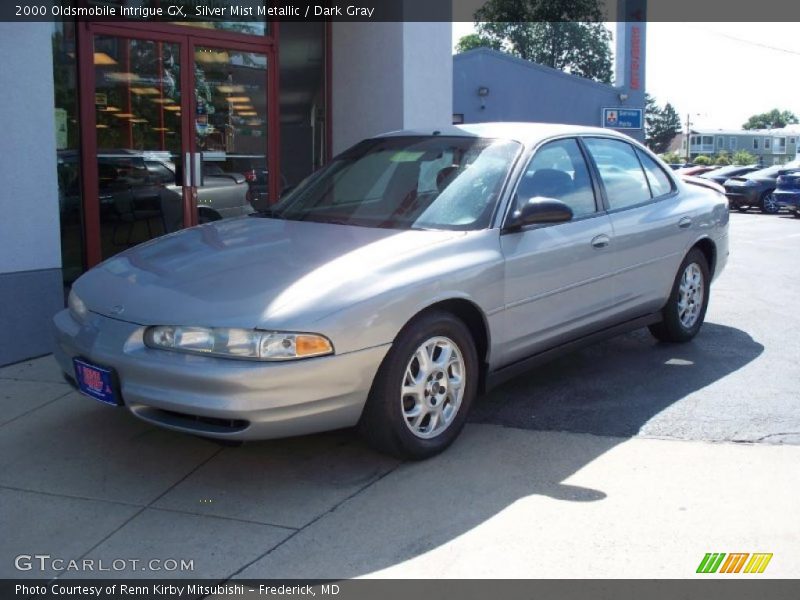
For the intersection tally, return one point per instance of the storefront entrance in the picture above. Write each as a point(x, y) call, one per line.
point(178, 127)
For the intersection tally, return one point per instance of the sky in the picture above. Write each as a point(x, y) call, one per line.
point(718, 73)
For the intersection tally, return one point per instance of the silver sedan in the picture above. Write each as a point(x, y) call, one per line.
point(393, 286)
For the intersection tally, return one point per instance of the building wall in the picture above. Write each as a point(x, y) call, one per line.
point(519, 90)
point(30, 260)
point(389, 76)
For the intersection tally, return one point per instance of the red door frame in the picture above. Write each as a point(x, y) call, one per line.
point(187, 38)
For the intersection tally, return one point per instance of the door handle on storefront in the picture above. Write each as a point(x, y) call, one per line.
point(187, 169)
point(197, 171)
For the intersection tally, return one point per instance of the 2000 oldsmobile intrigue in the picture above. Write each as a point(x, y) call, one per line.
point(393, 285)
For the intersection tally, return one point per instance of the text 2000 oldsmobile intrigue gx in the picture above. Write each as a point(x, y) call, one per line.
point(393, 285)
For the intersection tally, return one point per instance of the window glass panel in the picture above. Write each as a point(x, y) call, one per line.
point(68, 150)
point(559, 171)
point(248, 9)
point(303, 112)
point(659, 182)
point(620, 171)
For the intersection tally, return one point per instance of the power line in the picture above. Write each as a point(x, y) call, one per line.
point(750, 42)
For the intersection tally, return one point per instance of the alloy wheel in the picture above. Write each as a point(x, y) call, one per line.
point(433, 387)
point(690, 295)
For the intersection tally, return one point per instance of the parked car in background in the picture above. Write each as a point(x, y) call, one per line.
point(755, 190)
point(696, 170)
point(394, 284)
point(787, 192)
point(722, 174)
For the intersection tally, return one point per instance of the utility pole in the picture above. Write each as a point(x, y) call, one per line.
point(688, 137)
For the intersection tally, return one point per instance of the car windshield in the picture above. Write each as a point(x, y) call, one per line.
point(420, 182)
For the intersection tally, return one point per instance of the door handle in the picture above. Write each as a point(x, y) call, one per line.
point(197, 171)
point(685, 222)
point(187, 169)
point(601, 241)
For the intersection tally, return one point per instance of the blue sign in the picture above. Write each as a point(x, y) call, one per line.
point(623, 118)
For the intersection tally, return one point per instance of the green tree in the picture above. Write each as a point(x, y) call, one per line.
point(702, 159)
point(661, 125)
point(774, 119)
point(475, 40)
point(563, 34)
point(743, 157)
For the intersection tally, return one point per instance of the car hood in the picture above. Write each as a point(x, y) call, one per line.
point(247, 272)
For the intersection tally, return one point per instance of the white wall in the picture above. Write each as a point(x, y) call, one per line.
point(29, 212)
point(388, 76)
point(428, 75)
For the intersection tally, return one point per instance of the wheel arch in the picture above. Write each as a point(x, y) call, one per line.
point(709, 249)
point(475, 320)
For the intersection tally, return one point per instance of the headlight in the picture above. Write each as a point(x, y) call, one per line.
point(76, 307)
point(238, 343)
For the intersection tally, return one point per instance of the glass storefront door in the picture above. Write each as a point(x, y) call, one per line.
point(161, 158)
point(230, 132)
point(139, 121)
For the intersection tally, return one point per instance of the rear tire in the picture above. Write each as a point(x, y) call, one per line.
point(424, 388)
point(768, 204)
point(685, 310)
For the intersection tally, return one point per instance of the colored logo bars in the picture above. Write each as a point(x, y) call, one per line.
point(717, 562)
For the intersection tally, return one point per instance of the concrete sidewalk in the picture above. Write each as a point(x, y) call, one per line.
point(79, 479)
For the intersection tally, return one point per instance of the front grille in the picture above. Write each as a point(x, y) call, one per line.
point(198, 423)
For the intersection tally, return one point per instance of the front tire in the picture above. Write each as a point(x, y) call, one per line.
point(424, 388)
point(685, 310)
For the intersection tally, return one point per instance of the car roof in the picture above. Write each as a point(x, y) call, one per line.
point(527, 133)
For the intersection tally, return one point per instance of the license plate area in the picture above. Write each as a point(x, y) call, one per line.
point(97, 382)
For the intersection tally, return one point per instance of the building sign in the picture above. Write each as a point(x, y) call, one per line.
point(636, 54)
point(623, 118)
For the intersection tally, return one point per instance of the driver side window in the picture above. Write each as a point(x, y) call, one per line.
point(558, 170)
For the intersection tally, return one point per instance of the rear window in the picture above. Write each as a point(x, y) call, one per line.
point(660, 183)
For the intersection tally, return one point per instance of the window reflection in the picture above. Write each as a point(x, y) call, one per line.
point(231, 132)
point(67, 148)
point(138, 118)
point(302, 100)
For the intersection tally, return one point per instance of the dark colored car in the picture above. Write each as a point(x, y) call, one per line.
point(696, 170)
point(787, 194)
point(755, 190)
point(722, 174)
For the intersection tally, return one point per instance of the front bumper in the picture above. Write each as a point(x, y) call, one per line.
point(217, 397)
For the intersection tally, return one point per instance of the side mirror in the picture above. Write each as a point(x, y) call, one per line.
point(539, 211)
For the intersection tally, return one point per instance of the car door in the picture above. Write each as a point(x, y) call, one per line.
point(651, 226)
point(556, 276)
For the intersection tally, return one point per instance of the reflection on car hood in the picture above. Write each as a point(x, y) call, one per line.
point(244, 272)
